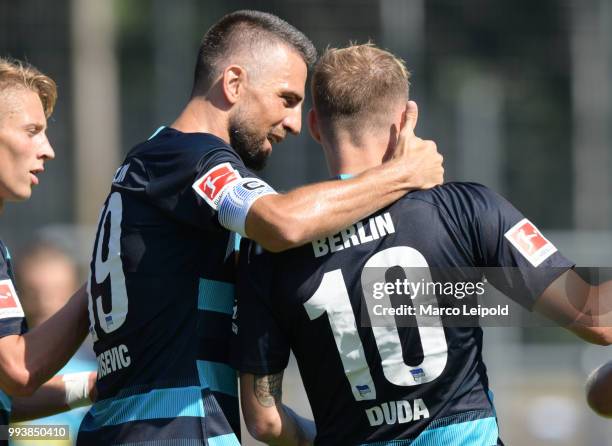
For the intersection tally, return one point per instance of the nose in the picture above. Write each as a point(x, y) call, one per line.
point(46, 151)
point(293, 122)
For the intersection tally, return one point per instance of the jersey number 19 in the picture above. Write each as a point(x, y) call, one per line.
point(107, 265)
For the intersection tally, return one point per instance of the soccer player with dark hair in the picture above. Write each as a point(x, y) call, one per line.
point(162, 273)
point(29, 358)
point(384, 384)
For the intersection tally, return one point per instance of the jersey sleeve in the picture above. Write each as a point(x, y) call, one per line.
point(259, 344)
point(226, 187)
point(12, 319)
point(514, 255)
point(210, 188)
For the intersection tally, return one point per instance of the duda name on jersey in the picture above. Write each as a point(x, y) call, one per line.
point(397, 412)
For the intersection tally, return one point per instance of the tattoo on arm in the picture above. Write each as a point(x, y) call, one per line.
point(268, 389)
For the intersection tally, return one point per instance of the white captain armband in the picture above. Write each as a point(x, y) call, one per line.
point(236, 201)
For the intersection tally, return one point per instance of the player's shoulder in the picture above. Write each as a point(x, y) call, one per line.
point(457, 195)
point(458, 202)
point(451, 191)
point(171, 145)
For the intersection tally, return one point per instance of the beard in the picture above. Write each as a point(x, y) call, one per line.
point(248, 142)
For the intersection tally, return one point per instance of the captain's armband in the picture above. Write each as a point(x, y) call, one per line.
point(238, 199)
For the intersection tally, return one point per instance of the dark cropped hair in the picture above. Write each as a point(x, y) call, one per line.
point(246, 29)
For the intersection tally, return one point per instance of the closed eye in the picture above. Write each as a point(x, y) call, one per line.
point(34, 129)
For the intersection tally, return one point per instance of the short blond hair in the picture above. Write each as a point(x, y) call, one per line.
point(17, 74)
point(357, 83)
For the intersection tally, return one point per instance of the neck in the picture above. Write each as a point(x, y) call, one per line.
point(344, 156)
point(201, 115)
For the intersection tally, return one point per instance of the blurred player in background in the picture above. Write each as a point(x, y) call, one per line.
point(46, 276)
point(161, 285)
point(27, 360)
point(384, 384)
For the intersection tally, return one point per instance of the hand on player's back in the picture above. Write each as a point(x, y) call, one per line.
point(418, 157)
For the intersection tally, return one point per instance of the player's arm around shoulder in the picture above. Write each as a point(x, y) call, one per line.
point(283, 221)
point(266, 417)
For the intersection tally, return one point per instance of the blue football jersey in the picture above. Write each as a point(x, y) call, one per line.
point(12, 320)
point(390, 384)
point(161, 292)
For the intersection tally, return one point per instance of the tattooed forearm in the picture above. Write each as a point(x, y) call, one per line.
point(268, 389)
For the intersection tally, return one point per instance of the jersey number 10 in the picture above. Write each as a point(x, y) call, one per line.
point(332, 298)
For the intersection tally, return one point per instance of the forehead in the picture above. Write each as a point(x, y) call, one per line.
point(283, 68)
point(20, 104)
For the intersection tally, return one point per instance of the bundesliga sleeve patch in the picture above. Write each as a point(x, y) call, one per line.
point(9, 302)
point(212, 184)
point(530, 242)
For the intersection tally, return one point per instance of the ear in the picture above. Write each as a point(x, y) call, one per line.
point(403, 119)
point(313, 125)
point(234, 79)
